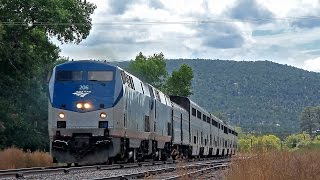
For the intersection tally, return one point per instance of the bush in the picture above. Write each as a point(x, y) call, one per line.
point(12, 158)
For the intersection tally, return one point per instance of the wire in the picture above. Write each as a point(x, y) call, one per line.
point(117, 23)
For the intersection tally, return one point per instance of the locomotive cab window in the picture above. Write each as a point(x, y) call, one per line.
point(100, 75)
point(69, 75)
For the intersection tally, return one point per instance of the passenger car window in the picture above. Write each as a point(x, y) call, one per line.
point(100, 75)
point(215, 123)
point(198, 114)
point(194, 112)
point(69, 75)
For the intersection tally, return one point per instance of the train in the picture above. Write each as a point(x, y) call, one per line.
point(100, 113)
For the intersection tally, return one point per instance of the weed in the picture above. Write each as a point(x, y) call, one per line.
point(276, 165)
point(12, 158)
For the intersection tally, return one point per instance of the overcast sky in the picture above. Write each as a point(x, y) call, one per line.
point(282, 31)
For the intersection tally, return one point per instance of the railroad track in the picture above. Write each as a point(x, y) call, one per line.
point(60, 172)
point(205, 173)
point(22, 173)
point(171, 173)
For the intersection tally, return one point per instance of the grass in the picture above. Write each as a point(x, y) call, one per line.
point(12, 158)
point(276, 165)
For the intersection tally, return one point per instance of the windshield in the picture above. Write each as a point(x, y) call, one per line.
point(100, 75)
point(69, 75)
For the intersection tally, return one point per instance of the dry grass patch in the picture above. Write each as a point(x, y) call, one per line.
point(276, 165)
point(16, 158)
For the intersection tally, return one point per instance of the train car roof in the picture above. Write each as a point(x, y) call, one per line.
point(188, 100)
point(175, 105)
point(163, 98)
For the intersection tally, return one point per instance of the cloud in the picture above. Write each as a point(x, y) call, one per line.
point(266, 32)
point(119, 6)
point(310, 45)
point(156, 4)
point(305, 15)
point(312, 64)
point(306, 22)
point(113, 37)
point(121, 34)
point(315, 52)
point(221, 36)
point(250, 9)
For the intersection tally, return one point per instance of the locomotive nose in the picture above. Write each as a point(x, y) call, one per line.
point(75, 142)
point(81, 140)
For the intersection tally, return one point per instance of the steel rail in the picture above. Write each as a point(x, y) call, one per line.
point(194, 174)
point(147, 173)
point(23, 172)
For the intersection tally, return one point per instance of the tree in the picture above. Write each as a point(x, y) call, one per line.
point(150, 69)
point(27, 55)
point(271, 142)
point(307, 122)
point(25, 28)
point(297, 140)
point(246, 142)
point(179, 83)
point(249, 142)
point(316, 111)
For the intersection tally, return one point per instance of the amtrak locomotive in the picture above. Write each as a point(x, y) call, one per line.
point(100, 113)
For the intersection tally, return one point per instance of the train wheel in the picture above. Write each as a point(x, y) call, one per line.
point(164, 157)
point(110, 161)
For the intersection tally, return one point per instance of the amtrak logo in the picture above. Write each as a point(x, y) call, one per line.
point(83, 91)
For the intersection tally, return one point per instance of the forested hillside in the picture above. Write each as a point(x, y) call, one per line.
point(259, 96)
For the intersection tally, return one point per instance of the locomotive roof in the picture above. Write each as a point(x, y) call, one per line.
point(85, 63)
point(104, 65)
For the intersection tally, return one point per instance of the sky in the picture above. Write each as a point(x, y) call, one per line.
point(282, 31)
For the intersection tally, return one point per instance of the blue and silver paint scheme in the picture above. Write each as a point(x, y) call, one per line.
point(206, 138)
point(133, 112)
point(103, 97)
point(137, 116)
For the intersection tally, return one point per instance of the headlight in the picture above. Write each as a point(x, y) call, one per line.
point(103, 115)
point(79, 105)
point(87, 105)
point(61, 115)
